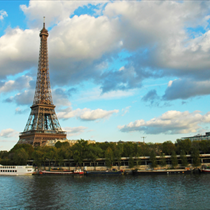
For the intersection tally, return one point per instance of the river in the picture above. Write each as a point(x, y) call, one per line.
point(105, 192)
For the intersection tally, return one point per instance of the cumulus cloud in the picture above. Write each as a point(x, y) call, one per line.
point(23, 98)
point(79, 45)
point(75, 131)
point(3, 14)
point(8, 133)
point(186, 88)
point(171, 122)
point(89, 115)
point(15, 57)
point(36, 10)
point(14, 85)
point(85, 114)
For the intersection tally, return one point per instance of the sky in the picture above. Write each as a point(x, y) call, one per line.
point(119, 70)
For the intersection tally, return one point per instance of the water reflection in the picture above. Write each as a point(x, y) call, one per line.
point(105, 192)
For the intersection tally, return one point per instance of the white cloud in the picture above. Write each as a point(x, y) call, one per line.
point(74, 131)
point(88, 114)
point(23, 98)
point(171, 122)
point(15, 57)
point(8, 133)
point(54, 11)
point(85, 114)
point(14, 85)
point(3, 14)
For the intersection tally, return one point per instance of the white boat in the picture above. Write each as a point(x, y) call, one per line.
point(16, 170)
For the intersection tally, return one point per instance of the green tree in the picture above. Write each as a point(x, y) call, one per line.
point(118, 150)
point(20, 157)
point(153, 159)
point(168, 147)
point(80, 150)
point(138, 153)
point(183, 145)
point(94, 152)
point(68, 155)
point(109, 156)
point(27, 147)
point(162, 160)
point(204, 147)
point(183, 158)
point(38, 157)
point(196, 157)
point(174, 161)
point(131, 162)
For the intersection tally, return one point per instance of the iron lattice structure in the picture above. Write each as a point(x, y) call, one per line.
point(42, 124)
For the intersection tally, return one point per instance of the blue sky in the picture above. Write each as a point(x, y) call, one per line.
point(119, 70)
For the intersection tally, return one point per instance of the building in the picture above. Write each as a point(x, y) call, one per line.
point(42, 124)
point(198, 137)
point(52, 143)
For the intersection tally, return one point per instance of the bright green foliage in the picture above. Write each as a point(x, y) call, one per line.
point(174, 161)
point(183, 159)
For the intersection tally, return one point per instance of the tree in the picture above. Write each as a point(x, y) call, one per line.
point(109, 156)
point(138, 154)
point(196, 157)
point(80, 150)
point(38, 157)
point(183, 158)
point(203, 145)
point(118, 150)
point(168, 147)
point(162, 160)
point(94, 152)
point(183, 145)
point(153, 159)
point(131, 162)
point(20, 157)
point(68, 155)
point(27, 147)
point(174, 161)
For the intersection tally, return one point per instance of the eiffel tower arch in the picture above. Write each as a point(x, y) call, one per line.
point(42, 124)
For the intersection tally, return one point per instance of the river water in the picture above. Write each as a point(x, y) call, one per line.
point(105, 192)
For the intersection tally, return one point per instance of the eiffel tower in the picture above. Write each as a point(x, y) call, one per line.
point(42, 124)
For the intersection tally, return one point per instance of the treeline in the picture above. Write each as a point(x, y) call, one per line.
point(113, 152)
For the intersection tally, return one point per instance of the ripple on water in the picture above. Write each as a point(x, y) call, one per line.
point(105, 192)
